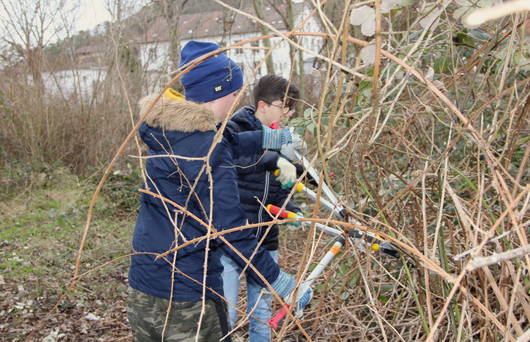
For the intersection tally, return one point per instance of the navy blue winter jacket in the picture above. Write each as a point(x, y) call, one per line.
point(256, 180)
point(176, 133)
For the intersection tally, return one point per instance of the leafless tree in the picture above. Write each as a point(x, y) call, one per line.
point(29, 25)
point(286, 11)
point(266, 42)
point(171, 11)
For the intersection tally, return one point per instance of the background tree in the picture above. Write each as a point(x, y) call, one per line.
point(171, 10)
point(29, 25)
point(287, 10)
point(258, 9)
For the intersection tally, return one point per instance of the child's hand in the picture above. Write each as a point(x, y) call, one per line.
point(284, 284)
point(296, 146)
point(302, 302)
point(287, 174)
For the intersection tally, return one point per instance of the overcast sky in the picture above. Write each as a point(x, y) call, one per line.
point(91, 13)
point(87, 16)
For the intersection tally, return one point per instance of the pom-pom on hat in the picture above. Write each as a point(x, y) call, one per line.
point(214, 78)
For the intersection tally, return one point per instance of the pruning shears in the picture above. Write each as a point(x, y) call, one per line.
point(332, 203)
point(300, 187)
point(365, 239)
point(362, 239)
point(339, 209)
point(317, 271)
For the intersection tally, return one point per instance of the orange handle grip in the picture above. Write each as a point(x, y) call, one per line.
point(275, 321)
point(274, 210)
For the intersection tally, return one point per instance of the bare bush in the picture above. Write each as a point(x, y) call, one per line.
point(424, 134)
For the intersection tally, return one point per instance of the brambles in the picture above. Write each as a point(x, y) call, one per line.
point(439, 162)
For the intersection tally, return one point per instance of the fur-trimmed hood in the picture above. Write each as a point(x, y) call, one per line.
point(172, 112)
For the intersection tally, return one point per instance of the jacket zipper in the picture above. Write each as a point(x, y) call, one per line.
point(263, 200)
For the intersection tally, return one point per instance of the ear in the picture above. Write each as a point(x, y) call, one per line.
point(261, 105)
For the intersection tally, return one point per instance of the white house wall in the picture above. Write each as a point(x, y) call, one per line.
point(66, 83)
point(251, 58)
point(154, 56)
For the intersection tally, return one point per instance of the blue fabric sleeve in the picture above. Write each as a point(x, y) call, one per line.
point(228, 214)
point(291, 206)
point(257, 163)
point(247, 143)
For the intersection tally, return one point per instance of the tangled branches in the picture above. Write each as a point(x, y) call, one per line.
point(427, 144)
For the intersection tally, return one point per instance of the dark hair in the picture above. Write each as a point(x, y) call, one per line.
point(271, 88)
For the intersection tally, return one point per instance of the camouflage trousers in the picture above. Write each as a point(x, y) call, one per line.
point(147, 316)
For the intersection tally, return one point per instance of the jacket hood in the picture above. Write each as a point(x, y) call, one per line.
point(172, 112)
point(246, 119)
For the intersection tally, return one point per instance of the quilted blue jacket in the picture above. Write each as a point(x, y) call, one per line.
point(179, 135)
point(256, 180)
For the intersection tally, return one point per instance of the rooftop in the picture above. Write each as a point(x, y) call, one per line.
point(212, 23)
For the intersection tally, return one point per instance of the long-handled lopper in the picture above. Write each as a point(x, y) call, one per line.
point(366, 239)
point(338, 210)
point(327, 190)
point(335, 208)
point(333, 251)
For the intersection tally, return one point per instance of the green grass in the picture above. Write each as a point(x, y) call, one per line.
point(40, 231)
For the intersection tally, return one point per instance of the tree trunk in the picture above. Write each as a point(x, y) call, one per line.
point(34, 61)
point(171, 10)
point(266, 42)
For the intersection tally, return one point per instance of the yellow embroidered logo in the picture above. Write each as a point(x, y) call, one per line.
point(218, 88)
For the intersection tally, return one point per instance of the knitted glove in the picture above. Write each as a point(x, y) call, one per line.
point(287, 174)
point(273, 139)
point(303, 301)
point(297, 145)
point(284, 285)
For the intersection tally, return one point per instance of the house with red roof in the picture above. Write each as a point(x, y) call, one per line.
point(227, 28)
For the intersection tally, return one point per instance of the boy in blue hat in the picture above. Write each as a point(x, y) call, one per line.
point(180, 296)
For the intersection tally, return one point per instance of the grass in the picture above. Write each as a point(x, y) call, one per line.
point(49, 221)
point(39, 237)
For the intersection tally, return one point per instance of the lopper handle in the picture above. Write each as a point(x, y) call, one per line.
point(274, 210)
point(317, 271)
point(275, 321)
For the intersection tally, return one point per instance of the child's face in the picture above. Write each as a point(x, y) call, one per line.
point(221, 106)
point(275, 111)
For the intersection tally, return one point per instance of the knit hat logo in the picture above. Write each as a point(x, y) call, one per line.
point(213, 78)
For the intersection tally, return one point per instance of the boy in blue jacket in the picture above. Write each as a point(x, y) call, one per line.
point(274, 99)
point(179, 296)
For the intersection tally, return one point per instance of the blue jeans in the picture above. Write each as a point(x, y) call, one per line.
point(258, 332)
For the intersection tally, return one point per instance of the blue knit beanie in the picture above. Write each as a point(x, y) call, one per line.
point(214, 78)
